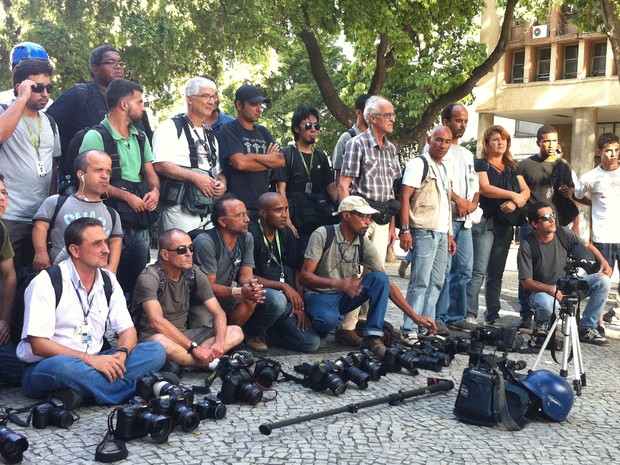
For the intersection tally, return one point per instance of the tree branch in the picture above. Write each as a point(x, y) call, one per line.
point(612, 28)
point(383, 61)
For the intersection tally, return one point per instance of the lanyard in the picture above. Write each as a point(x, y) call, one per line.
point(85, 312)
point(303, 160)
point(232, 256)
point(36, 143)
point(206, 142)
point(270, 249)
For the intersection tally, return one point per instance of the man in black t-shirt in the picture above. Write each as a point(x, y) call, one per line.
point(307, 179)
point(248, 151)
point(276, 261)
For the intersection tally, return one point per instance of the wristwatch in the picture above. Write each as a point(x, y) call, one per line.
point(122, 349)
point(404, 228)
point(192, 346)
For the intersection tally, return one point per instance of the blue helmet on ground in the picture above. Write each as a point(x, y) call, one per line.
point(553, 394)
point(26, 51)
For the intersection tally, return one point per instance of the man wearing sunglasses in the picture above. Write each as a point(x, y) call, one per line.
point(28, 153)
point(541, 261)
point(603, 186)
point(307, 180)
point(163, 296)
point(20, 52)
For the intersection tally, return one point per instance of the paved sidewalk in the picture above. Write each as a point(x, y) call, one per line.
point(420, 430)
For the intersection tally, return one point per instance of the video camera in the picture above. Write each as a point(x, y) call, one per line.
point(578, 257)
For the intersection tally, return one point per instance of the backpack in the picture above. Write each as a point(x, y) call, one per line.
point(52, 121)
point(215, 237)
point(59, 203)
point(190, 280)
point(19, 306)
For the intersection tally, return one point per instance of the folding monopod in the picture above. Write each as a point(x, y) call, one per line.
point(434, 385)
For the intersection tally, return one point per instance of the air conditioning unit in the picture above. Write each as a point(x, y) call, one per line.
point(540, 31)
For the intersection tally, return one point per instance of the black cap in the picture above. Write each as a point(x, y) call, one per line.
point(249, 93)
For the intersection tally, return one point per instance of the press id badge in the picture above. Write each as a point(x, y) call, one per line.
point(281, 277)
point(84, 334)
point(308, 188)
point(41, 168)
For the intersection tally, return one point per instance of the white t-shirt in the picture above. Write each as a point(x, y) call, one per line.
point(604, 189)
point(43, 319)
point(413, 178)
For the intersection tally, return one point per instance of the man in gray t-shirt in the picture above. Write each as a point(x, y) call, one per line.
point(93, 171)
point(330, 277)
point(541, 261)
point(162, 298)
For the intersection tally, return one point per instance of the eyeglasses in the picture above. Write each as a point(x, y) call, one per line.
point(362, 215)
point(316, 126)
point(182, 249)
point(240, 215)
point(114, 64)
point(386, 115)
point(39, 88)
point(547, 217)
point(209, 97)
point(4, 192)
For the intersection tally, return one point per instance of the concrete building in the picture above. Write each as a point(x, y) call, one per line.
point(552, 73)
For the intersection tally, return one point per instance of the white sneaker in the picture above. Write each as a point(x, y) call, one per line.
point(472, 320)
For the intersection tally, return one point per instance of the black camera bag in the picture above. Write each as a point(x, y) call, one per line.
point(486, 399)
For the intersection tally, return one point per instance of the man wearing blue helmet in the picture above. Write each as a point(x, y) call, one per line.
point(541, 261)
point(23, 51)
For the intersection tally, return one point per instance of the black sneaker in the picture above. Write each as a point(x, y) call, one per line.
point(526, 322)
point(592, 336)
point(70, 398)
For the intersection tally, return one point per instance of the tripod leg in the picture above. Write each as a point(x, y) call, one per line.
point(545, 344)
point(566, 331)
point(579, 368)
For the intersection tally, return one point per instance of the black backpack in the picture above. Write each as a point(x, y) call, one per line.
point(19, 306)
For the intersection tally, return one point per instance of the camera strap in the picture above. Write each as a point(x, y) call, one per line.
point(110, 449)
point(10, 414)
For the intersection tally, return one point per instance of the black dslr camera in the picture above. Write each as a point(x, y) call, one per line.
point(237, 380)
point(210, 407)
point(348, 371)
point(397, 357)
point(174, 401)
point(145, 386)
point(365, 361)
point(266, 371)
point(135, 421)
point(504, 339)
point(322, 376)
point(12, 444)
point(51, 413)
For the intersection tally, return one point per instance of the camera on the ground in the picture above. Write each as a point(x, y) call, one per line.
point(12, 445)
point(134, 420)
point(365, 361)
point(51, 413)
point(210, 407)
point(266, 371)
point(176, 402)
point(321, 376)
point(348, 371)
point(504, 339)
point(237, 381)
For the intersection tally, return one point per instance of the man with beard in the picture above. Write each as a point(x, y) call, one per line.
point(29, 144)
point(57, 212)
point(134, 190)
point(330, 275)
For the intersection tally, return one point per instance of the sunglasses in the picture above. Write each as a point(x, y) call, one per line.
point(182, 249)
point(39, 88)
point(309, 126)
point(547, 217)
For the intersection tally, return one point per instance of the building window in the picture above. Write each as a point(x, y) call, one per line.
point(599, 58)
point(543, 65)
point(518, 63)
point(571, 55)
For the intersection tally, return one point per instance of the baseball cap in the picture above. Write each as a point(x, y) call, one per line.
point(249, 93)
point(355, 203)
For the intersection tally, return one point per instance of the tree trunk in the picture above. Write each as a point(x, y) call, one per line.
point(612, 28)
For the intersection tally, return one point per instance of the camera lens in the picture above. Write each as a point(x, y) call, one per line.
point(250, 394)
point(12, 445)
point(186, 418)
point(357, 376)
point(61, 418)
point(266, 376)
point(158, 426)
point(335, 384)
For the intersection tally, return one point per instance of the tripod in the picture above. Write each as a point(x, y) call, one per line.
point(568, 316)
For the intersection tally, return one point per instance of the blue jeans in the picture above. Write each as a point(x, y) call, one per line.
point(62, 371)
point(611, 253)
point(524, 302)
point(327, 310)
point(452, 302)
point(491, 247)
point(266, 313)
point(134, 257)
point(428, 271)
point(11, 368)
point(284, 332)
point(543, 304)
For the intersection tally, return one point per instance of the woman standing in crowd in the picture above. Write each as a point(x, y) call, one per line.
point(502, 196)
